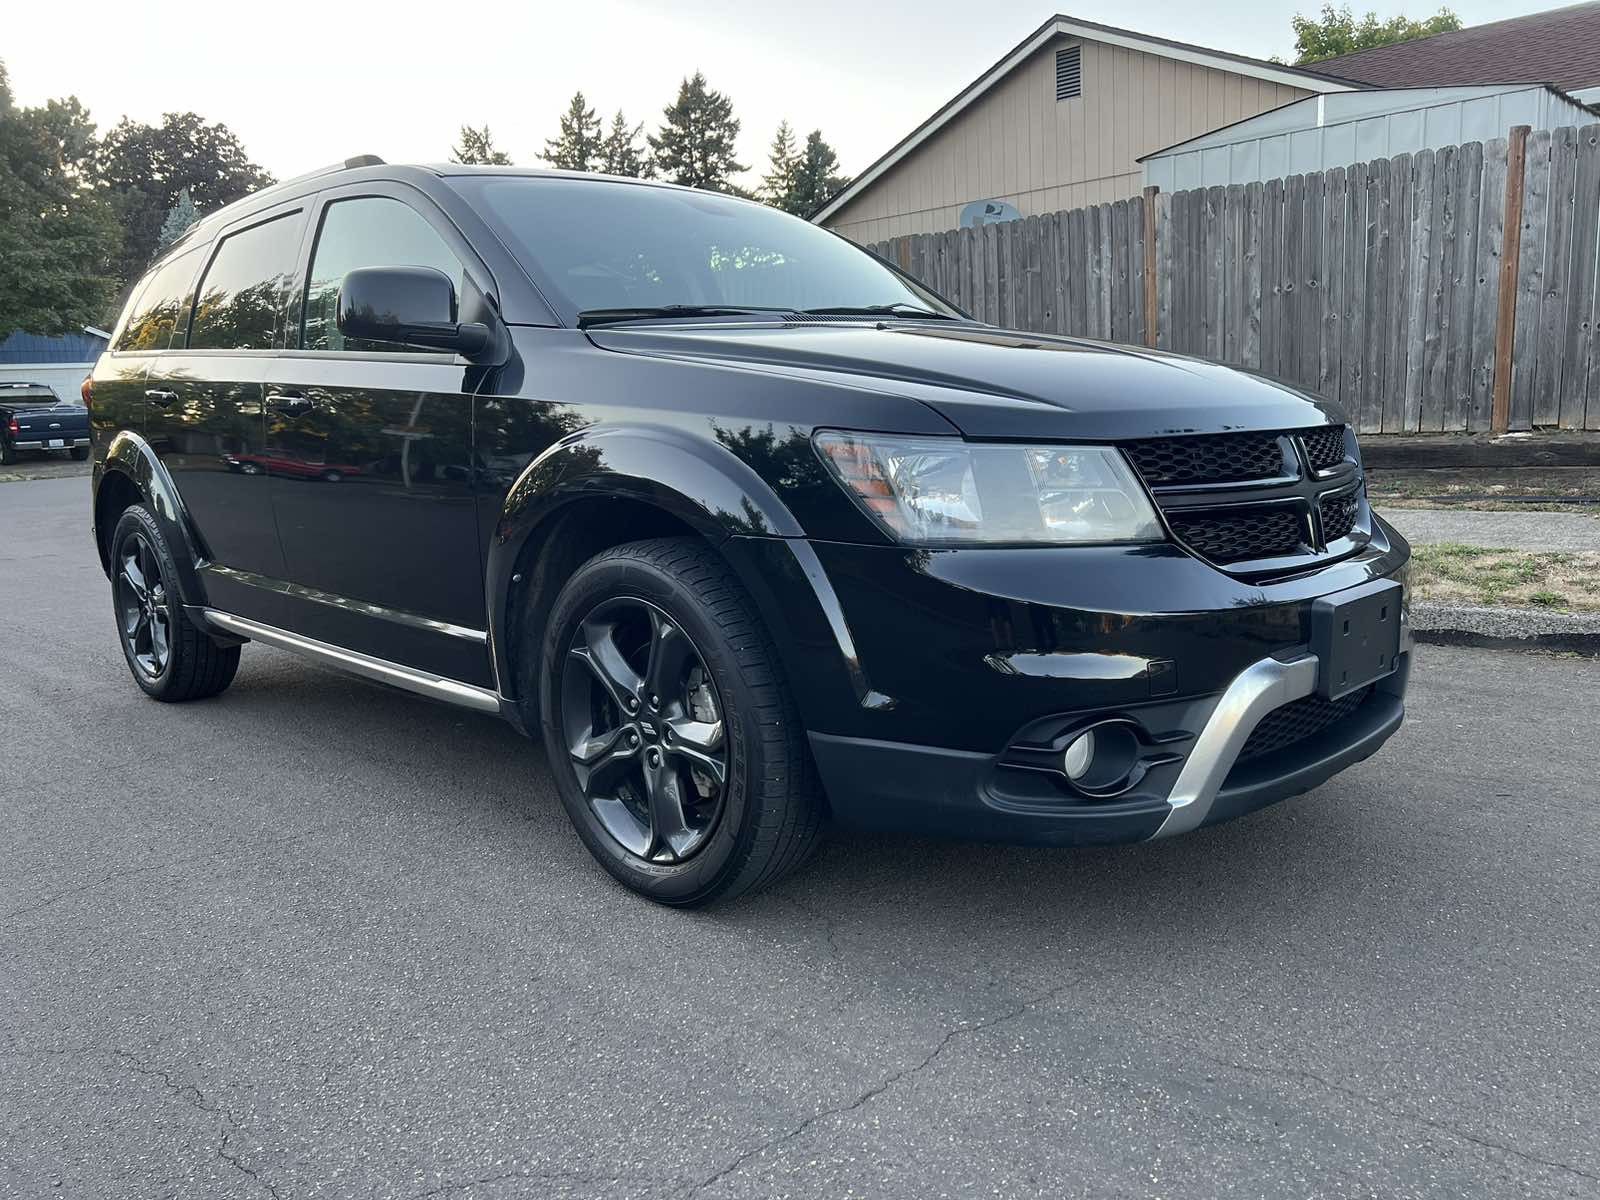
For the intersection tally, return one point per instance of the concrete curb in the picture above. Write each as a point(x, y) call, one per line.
point(1505, 628)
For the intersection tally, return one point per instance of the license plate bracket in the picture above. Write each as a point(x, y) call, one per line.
point(1355, 635)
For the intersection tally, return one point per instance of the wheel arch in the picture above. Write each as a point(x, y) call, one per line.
point(601, 488)
point(132, 474)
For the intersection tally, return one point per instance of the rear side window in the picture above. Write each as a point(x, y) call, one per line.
point(159, 312)
point(370, 231)
point(242, 296)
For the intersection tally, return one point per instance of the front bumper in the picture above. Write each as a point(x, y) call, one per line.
point(919, 674)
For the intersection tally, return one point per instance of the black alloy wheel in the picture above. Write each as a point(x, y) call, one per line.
point(171, 658)
point(643, 726)
point(143, 606)
point(670, 731)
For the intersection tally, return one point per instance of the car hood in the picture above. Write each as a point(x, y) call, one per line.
point(993, 383)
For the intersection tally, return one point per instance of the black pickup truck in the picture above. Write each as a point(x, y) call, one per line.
point(33, 417)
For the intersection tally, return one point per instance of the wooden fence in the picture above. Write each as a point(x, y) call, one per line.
point(1444, 290)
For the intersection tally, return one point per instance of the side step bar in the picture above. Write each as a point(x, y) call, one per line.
point(424, 683)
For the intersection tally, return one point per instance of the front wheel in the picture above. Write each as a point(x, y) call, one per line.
point(170, 657)
point(676, 748)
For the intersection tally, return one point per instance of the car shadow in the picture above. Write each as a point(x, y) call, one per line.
point(1281, 877)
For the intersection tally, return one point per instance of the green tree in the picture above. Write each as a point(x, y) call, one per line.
point(697, 140)
point(577, 147)
point(621, 153)
point(782, 159)
point(146, 167)
point(814, 178)
point(179, 217)
point(476, 147)
point(1338, 31)
point(58, 238)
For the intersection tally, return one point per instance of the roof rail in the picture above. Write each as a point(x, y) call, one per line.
point(364, 160)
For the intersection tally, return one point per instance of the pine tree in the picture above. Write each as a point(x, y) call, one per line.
point(816, 177)
point(696, 143)
point(620, 152)
point(577, 147)
point(778, 182)
point(179, 217)
point(476, 147)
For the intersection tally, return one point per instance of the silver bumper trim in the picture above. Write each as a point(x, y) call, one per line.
point(1254, 692)
point(425, 683)
point(44, 444)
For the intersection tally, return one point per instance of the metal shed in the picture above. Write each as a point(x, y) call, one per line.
point(1340, 128)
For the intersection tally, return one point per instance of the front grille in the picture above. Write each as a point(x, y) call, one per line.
point(1239, 537)
point(1339, 514)
point(1325, 446)
point(1223, 458)
point(1298, 720)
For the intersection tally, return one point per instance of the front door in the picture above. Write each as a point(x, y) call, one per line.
point(370, 457)
point(203, 412)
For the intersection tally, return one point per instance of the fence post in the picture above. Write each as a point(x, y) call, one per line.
point(1150, 307)
point(1506, 319)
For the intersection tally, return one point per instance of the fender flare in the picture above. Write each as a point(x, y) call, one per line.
point(702, 484)
point(130, 455)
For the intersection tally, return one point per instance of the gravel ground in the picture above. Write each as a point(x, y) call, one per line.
point(319, 939)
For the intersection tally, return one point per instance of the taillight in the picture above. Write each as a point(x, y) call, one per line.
point(13, 427)
point(87, 390)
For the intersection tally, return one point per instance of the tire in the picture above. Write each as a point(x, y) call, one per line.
point(79, 453)
point(8, 453)
point(765, 819)
point(170, 657)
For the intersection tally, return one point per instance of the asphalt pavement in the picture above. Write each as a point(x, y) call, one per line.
point(1564, 531)
point(315, 938)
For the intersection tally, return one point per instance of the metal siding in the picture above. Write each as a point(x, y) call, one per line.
point(1018, 143)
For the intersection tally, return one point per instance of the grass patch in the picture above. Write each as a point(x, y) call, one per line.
point(1457, 574)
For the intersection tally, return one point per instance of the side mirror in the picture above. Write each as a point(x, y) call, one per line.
point(412, 306)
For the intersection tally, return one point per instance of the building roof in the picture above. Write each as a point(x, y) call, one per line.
point(1317, 80)
point(1560, 46)
point(36, 349)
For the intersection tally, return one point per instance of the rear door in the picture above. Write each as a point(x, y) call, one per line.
point(157, 313)
point(370, 453)
point(204, 416)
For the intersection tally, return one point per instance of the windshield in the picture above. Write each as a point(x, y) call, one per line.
point(614, 246)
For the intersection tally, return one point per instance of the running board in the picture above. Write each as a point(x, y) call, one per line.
point(424, 683)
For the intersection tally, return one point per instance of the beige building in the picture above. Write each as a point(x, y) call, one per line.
point(1058, 123)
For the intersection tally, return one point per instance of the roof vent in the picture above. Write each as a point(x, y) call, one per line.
point(1069, 72)
point(372, 160)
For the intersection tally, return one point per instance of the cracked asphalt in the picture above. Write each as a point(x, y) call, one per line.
point(319, 939)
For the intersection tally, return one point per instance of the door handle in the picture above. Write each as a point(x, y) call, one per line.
point(286, 402)
point(161, 398)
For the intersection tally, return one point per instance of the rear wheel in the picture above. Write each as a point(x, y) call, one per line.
point(677, 750)
point(8, 453)
point(170, 657)
point(79, 453)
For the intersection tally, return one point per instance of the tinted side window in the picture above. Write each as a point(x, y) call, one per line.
point(244, 290)
point(160, 310)
point(372, 231)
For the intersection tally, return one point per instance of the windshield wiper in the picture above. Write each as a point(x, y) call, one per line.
point(605, 316)
point(898, 309)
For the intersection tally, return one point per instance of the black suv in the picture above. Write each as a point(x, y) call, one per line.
point(756, 528)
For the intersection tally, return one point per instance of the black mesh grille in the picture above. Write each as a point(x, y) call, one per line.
point(1299, 720)
point(1325, 446)
point(1230, 537)
point(1221, 458)
point(1339, 515)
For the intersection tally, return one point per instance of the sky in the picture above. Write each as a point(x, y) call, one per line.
point(307, 84)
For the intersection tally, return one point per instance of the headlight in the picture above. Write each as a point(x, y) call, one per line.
point(944, 491)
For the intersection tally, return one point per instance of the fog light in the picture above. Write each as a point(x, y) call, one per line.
point(1078, 755)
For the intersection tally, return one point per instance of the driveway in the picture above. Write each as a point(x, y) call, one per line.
point(318, 939)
